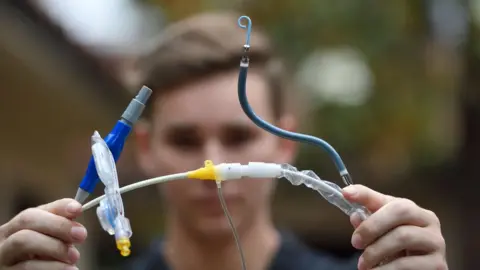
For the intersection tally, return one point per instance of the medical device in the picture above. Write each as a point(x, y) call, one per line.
point(235, 171)
point(105, 153)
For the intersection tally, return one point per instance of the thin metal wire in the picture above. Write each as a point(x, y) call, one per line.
point(232, 227)
point(247, 26)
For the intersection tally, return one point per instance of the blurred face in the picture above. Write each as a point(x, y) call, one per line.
point(203, 120)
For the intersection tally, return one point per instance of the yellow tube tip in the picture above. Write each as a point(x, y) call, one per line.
point(125, 253)
point(205, 173)
point(123, 244)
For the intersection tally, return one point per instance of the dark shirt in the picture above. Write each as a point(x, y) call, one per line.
point(292, 255)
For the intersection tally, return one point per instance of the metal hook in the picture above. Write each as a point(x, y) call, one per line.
point(247, 26)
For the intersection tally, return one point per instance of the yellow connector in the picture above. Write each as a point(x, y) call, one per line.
point(123, 244)
point(206, 173)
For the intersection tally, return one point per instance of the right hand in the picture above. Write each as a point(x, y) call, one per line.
point(42, 238)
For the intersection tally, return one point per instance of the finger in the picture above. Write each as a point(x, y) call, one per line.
point(432, 261)
point(42, 265)
point(47, 223)
point(398, 212)
point(367, 197)
point(411, 238)
point(68, 208)
point(27, 244)
point(355, 220)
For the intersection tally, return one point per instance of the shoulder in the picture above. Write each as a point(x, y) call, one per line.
point(295, 255)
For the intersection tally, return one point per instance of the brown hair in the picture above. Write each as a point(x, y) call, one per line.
point(206, 44)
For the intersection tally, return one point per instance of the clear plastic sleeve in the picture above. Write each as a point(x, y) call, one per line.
point(330, 191)
point(110, 212)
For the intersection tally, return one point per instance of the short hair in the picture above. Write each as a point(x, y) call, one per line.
point(207, 44)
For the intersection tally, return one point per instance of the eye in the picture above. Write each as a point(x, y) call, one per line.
point(184, 139)
point(238, 136)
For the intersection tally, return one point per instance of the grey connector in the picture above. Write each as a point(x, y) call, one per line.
point(137, 105)
point(81, 196)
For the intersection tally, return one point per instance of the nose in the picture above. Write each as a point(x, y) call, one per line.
point(216, 152)
point(213, 151)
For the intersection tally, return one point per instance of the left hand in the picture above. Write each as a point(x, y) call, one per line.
point(398, 229)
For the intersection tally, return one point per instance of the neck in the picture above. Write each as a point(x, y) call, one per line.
point(185, 251)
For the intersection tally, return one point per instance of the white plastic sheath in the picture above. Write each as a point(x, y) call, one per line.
point(231, 171)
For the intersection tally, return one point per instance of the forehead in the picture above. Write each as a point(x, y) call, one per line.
point(211, 101)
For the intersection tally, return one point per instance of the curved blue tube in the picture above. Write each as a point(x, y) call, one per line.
point(242, 96)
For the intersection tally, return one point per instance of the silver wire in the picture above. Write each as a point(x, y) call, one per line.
point(232, 227)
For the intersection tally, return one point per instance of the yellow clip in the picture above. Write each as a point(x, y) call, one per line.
point(206, 173)
point(123, 244)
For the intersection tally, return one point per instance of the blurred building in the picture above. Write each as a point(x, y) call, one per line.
point(53, 95)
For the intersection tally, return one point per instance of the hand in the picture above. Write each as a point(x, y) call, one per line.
point(41, 238)
point(398, 229)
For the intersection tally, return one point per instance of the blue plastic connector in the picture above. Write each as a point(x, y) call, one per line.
point(115, 141)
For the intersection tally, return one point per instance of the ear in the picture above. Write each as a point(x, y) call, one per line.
point(288, 148)
point(144, 152)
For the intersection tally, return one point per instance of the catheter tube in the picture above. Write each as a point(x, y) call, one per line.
point(144, 183)
point(242, 96)
point(232, 171)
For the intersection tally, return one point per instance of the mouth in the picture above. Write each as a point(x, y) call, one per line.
point(214, 199)
point(211, 203)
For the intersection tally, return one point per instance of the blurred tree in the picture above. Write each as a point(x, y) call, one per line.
point(469, 153)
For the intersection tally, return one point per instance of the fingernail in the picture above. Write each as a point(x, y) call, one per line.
point(357, 241)
point(355, 220)
point(78, 233)
point(71, 267)
point(73, 255)
point(350, 190)
point(74, 207)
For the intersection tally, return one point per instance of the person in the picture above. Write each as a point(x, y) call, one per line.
point(194, 115)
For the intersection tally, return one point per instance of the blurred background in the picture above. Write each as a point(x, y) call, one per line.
point(393, 83)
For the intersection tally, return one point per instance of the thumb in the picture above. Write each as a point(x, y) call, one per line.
point(365, 196)
point(68, 208)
